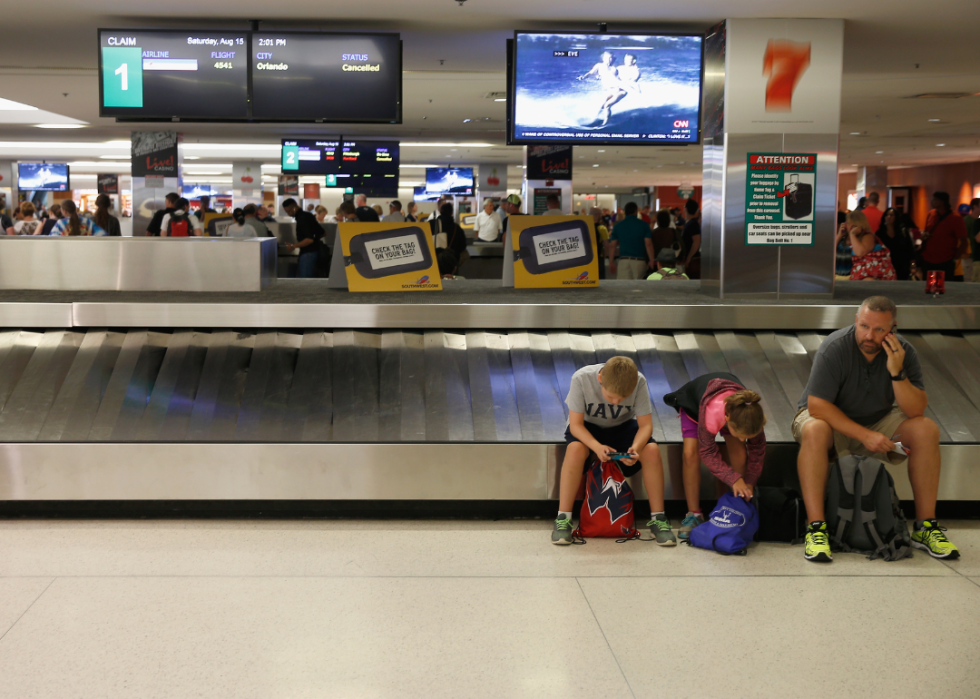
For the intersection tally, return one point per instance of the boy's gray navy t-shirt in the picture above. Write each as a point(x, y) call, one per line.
point(585, 396)
point(863, 390)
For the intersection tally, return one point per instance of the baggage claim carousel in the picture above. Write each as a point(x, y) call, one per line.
point(302, 394)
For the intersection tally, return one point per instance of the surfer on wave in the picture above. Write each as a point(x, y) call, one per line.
point(618, 82)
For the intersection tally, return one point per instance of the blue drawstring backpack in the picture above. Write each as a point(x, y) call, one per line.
point(730, 527)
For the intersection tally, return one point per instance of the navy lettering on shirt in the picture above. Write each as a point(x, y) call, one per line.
point(592, 410)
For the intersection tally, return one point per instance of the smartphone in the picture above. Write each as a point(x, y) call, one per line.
point(618, 456)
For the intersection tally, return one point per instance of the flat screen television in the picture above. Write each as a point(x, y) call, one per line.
point(311, 156)
point(421, 194)
point(449, 180)
point(169, 74)
point(321, 77)
point(42, 177)
point(603, 89)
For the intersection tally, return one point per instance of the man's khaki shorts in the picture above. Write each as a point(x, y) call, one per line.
point(844, 445)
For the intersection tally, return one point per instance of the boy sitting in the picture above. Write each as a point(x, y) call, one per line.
point(609, 411)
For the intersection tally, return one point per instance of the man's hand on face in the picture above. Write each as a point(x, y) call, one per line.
point(895, 354)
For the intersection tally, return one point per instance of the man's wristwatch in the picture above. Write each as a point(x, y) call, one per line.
point(902, 375)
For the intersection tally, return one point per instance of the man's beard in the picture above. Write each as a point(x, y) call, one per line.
point(870, 347)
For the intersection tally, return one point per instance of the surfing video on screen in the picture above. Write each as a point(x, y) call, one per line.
point(449, 180)
point(606, 88)
point(42, 177)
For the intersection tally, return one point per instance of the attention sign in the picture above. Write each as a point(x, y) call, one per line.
point(779, 198)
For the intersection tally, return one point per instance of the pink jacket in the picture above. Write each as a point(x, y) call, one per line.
point(711, 454)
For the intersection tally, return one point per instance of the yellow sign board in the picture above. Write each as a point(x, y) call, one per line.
point(554, 252)
point(389, 257)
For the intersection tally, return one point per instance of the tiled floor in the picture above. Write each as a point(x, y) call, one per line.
point(466, 609)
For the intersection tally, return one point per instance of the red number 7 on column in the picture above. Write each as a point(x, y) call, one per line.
point(784, 63)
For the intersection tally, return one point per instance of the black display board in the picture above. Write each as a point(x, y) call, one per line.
point(169, 74)
point(370, 157)
point(180, 75)
point(326, 77)
point(311, 156)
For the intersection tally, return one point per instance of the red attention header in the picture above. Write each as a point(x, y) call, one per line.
point(783, 160)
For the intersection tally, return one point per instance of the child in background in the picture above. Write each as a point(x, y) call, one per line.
point(609, 411)
point(723, 406)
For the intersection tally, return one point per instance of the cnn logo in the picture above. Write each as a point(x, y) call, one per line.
point(681, 124)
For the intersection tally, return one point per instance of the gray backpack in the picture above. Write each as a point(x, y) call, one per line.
point(863, 512)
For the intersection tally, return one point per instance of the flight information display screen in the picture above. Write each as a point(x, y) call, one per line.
point(311, 157)
point(326, 77)
point(605, 88)
point(370, 157)
point(173, 74)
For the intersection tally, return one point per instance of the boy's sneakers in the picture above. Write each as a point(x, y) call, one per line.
point(562, 533)
point(660, 530)
point(928, 536)
point(817, 544)
point(691, 520)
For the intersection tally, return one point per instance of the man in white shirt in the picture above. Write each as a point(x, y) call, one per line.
point(395, 214)
point(488, 224)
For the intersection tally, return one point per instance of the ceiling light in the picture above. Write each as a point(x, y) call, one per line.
point(192, 157)
point(500, 99)
point(114, 157)
point(934, 120)
point(11, 106)
point(596, 165)
point(467, 121)
point(60, 126)
point(879, 152)
point(855, 133)
point(601, 151)
point(940, 145)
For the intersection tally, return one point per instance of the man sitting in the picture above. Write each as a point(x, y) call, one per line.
point(858, 376)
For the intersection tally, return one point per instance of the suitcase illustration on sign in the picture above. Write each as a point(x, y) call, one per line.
point(799, 204)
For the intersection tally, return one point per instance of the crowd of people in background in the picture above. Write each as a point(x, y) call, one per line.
point(633, 242)
point(62, 219)
point(888, 245)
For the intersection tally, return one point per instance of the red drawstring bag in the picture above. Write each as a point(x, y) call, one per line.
point(607, 509)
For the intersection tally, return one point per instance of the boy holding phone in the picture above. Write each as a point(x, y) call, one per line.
point(609, 412)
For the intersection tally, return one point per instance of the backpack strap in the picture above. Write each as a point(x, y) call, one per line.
point(743, 552)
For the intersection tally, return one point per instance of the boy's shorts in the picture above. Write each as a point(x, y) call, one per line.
point(689, 427)
point(619, 438)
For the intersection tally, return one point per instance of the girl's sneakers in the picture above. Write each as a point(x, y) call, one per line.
point(691, 520)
